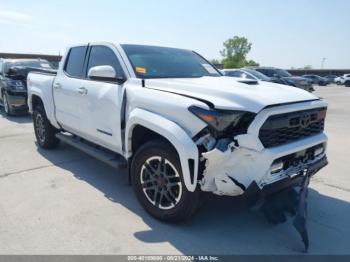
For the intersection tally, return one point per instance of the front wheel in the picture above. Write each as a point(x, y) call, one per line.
point(7, 107)
point(45, 133)
point(158, 183)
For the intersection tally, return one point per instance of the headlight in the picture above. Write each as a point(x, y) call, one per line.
point(15, 84)
point(219, 120)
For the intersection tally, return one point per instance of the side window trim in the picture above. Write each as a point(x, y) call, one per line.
point(86, 62)
point(67, 59)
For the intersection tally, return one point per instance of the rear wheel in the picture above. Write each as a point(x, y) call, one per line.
point(45, 133)
point(158, 183)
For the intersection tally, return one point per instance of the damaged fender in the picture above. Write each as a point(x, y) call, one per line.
point(182, 142)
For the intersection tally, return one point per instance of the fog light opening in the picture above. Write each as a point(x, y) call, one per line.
point(276, 167)
point(318, 151)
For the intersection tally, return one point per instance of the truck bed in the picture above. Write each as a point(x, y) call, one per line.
point(40, 83)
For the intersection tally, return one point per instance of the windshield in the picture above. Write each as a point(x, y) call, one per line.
point(27, 63)
point(283, 73)
point(163, 62)
point(257, 74)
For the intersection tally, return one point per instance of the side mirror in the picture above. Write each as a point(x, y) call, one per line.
point(276, 76)
point(105, 73)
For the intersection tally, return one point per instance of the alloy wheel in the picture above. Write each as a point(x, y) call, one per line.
point(40, 128)
point(161, 182)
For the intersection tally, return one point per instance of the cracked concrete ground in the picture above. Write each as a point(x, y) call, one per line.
point(64, 202)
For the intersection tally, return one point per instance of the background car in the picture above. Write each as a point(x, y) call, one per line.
point(317, 80)
point(342, 79)
point(331, 78)
point(246, 73)
point(284, 77)
point(13, 82)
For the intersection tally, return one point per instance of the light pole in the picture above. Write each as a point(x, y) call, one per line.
point(322, 62)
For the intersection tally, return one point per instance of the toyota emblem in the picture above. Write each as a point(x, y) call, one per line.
point(305, 120)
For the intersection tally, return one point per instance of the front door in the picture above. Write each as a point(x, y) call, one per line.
point(101, 107)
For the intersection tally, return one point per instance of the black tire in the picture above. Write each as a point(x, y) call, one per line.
point(347, 83)
point(7, 107)
point(186, 204)
point(44, 131)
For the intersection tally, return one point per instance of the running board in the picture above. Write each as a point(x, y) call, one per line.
point(102, 154)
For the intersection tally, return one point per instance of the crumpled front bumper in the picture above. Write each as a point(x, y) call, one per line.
point(232, 172)
point(253, 193)
point(247, 162)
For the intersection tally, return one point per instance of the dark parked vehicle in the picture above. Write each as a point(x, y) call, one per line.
point(331, 78)
point(13, 78)
point(282, 76)
point(317, 80)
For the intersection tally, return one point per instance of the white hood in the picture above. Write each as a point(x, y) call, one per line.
point(228, 93)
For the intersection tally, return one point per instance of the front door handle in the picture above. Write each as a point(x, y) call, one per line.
point(57, 86)
point(82, 90)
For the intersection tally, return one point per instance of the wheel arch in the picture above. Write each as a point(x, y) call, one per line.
point(37, 97)
point(142, 126)
point(36, 101)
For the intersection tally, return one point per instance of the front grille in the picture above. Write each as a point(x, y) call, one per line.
point(289, 127)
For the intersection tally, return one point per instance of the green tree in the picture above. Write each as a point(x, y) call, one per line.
point(235, 52)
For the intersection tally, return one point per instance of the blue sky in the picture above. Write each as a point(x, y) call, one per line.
point(284, 33)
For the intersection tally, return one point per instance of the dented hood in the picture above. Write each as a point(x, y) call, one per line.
point(230, 94)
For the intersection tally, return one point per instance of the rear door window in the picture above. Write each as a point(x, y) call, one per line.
point(75, 61)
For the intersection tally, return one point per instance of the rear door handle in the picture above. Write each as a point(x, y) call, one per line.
point(82, 90)
point(57, 86)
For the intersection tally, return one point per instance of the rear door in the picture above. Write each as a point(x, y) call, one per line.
point(101, 106)
point(67, 85)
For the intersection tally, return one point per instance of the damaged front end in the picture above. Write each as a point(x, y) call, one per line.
point(265, 158)
point(239, 153)
point(220, 150)
point(232, 171)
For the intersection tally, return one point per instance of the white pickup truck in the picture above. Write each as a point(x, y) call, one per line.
point(178, 124)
